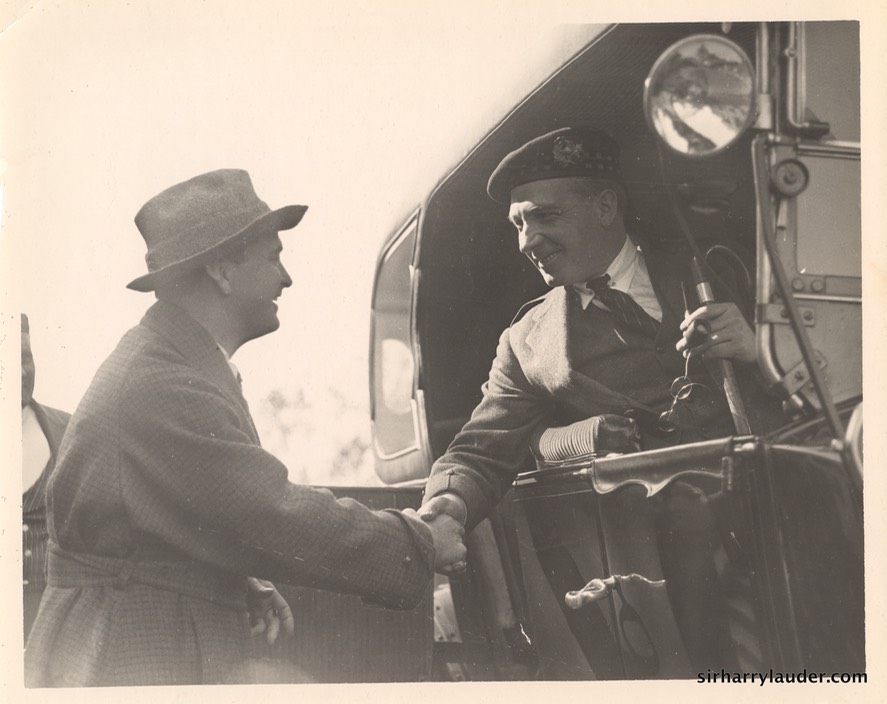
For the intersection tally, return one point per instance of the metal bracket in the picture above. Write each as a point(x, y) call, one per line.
point(777, 314)
point(728, 477)
point(446, 624)
point(798, 375)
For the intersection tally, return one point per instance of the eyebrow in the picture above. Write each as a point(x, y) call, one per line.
point(532, 209)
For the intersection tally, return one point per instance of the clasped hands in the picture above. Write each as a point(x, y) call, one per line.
point(445, 515)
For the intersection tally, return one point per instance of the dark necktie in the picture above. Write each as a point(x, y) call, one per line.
point(624, 308)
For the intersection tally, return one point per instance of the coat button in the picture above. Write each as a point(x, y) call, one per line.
point(660, 349)
point(25, 582)
point(27, 553)
point(407, 560)
point(25, 528)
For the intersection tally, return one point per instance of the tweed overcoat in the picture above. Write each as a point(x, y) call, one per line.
point(557, 364)
point(162, 503)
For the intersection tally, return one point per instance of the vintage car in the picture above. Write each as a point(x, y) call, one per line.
point(743, 141)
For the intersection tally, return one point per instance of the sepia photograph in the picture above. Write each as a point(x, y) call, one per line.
point(391, 351)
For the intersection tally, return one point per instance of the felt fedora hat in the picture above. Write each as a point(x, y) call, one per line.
point(188, 224)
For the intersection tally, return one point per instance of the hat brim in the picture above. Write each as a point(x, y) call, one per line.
point(281, 219)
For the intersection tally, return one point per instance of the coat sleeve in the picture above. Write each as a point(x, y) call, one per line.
point(493, 446)
point(192, 477)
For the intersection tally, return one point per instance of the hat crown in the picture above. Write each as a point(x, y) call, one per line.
point(195, 215)
point(569, 152)
point(188, 224)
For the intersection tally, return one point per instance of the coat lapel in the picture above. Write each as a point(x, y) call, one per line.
point(548, 363)
point(546, 339)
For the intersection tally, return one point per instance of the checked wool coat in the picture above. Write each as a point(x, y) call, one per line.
point(162, 503)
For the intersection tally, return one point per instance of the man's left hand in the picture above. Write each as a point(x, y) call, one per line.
point(730, 337)
point(267, 610)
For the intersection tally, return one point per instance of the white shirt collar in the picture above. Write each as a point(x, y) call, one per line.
point(621, 271)
point(628, 273)
point(623, 267)
point(231, 365)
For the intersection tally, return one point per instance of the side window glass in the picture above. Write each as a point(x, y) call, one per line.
point(830, 76)
point(393, 363)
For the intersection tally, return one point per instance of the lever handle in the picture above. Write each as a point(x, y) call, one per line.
point(598, 589)
point(595, 590)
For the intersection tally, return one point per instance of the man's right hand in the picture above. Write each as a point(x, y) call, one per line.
point(447, 504)
point(730, 337)
point(445, 515)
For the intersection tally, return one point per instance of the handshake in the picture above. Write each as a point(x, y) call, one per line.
point(445, 515)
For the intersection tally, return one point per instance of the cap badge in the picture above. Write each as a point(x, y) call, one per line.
point(566, 152)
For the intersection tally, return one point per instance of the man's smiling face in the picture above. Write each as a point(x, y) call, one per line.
point(255, 284)
point(568, 231)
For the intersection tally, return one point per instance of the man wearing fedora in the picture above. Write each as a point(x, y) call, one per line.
point(610, 337)
point(166, 518)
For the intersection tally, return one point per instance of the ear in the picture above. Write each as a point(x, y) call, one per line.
point(608, 203)
point(219, 272)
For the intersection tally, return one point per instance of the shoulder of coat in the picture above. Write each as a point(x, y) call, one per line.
point(529, 305)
